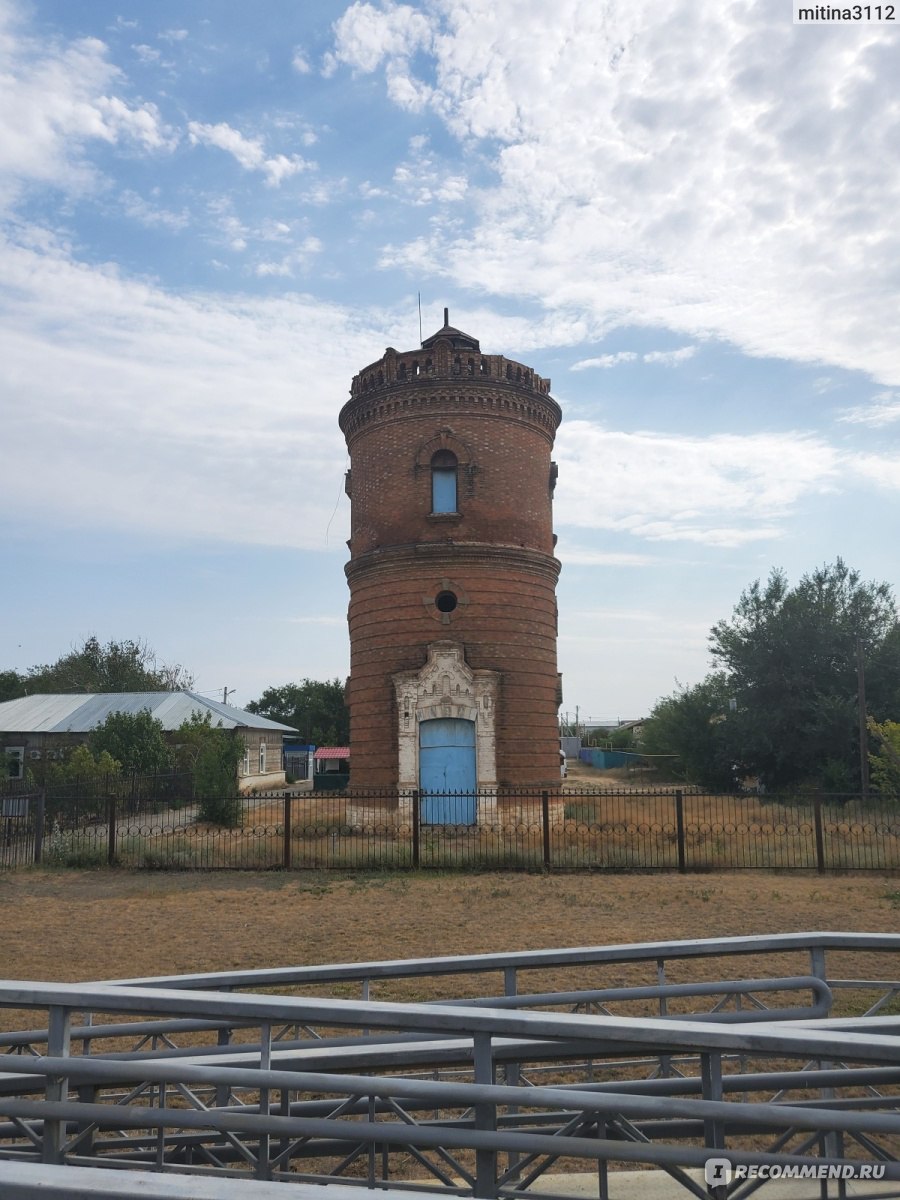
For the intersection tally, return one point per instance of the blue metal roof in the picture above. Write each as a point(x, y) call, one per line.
point(84, 712)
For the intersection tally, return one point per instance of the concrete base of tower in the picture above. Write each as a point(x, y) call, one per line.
point(489, 812)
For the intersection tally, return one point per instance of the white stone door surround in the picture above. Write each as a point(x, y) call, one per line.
point(446, 686)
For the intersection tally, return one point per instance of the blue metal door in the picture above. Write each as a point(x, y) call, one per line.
point(447, 768)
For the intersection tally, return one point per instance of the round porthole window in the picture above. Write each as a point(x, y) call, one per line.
point(445, 602)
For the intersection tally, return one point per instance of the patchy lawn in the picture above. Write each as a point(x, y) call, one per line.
point(71, 925)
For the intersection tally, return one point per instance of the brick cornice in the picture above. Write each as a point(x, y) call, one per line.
point(444, 557)
point(441, 397)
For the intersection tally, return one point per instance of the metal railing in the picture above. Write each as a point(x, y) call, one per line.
point(486, 1095)
point(666, 830)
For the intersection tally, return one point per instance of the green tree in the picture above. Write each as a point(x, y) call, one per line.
point(790, 656)
point(619, 739)
point(692, 726)
point(80, 777)
point(884, 764)
point(883, 677)
point(212, 754)
point(12, 686)
point(127, 666)
point(136, 740)
point(315, 709)
point(783, 699)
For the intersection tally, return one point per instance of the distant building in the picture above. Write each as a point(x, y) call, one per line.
point(570, 746)
point(298, 760)
point(332, 768)
point(41, 727)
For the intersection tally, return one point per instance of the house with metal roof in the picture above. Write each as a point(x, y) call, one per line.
point(39, 727)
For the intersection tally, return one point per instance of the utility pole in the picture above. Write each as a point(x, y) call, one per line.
point(225, 692)
point(863, 729)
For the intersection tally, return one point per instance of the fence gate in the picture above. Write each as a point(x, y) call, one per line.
point(21, 829)
point(446, 769)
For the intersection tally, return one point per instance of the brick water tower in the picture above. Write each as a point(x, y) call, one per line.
point(453, 678)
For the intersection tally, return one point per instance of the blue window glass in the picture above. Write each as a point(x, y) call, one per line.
point(443, 482)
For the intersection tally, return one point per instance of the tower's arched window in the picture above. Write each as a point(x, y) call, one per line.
point(443, 482)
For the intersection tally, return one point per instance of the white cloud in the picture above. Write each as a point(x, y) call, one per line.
point(605, 361)
point(152, 215)
point(231, 231)
point(369, 191)
point(670, 358)
point(55, 99)
point(294, 242)
point(665, 358)
point(142, 124)
point(881, 469)
point(300, 62)
point(422, 179)
point(722, 490)
point(366, 35)
point(582, 556)
point(884, 410)
point(405, 90)
point(147, 54)
point(183, 415)
point(290, 264)
point(248, 152)
point(711, 169)
point(173, 35)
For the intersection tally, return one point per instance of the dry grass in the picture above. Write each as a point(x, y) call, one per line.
point(71, 925)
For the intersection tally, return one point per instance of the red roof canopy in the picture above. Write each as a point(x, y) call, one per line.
point(332, 752)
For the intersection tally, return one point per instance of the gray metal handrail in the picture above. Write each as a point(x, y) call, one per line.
point(725, 988)
point(274, 1106)
point(526, 960)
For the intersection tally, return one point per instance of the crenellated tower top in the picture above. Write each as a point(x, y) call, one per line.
point(447, 354)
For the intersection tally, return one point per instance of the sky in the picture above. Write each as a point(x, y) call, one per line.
point(685, 214)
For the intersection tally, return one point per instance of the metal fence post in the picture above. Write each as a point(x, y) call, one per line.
point(39, 809)
point(110, 830)
point(57, 1086)
point(545, 827)
point(415, 828)
point(485, 1118)
point(817, 965)
point(679, 830)
point(711, 1089)
point(287, 847)
point(820, 834)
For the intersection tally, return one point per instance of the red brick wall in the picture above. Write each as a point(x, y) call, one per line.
point(497, 556)
point(503, 489)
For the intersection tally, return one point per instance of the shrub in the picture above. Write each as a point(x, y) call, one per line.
point(64, 849)
point(213, 754)
point(579, 811)
point(142, 853)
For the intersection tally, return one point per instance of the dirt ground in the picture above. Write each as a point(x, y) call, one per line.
point(80, 925)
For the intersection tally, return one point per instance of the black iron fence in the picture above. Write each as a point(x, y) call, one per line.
point(663, 829)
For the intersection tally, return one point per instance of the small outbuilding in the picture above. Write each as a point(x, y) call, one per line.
point(332, 771)
point(39, 727)
point(298, 760)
